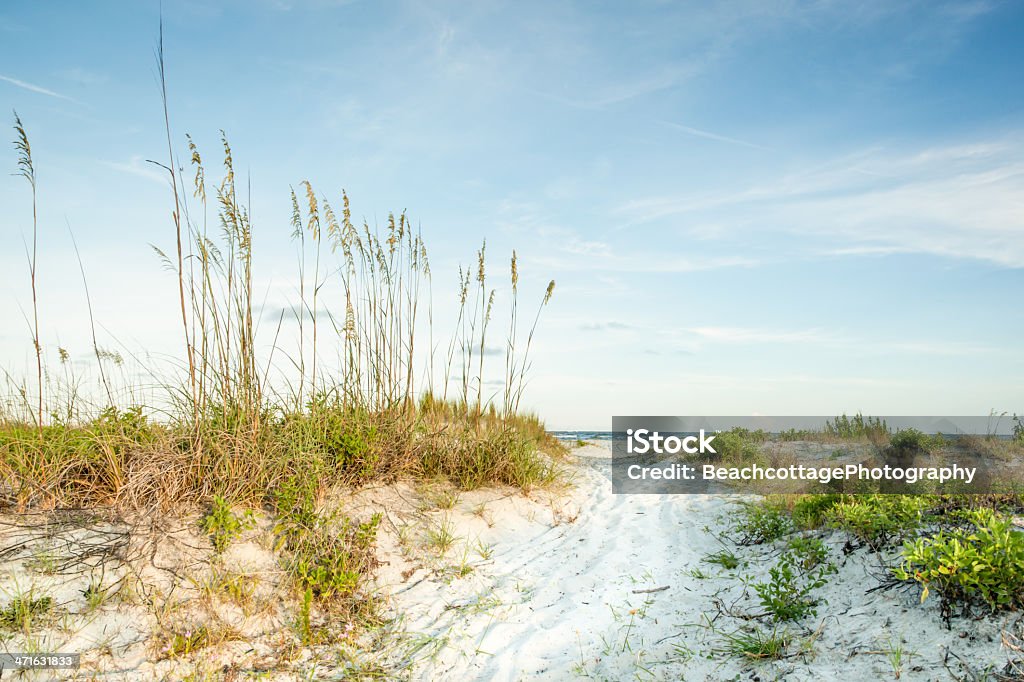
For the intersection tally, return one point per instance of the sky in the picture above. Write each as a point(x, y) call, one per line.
point(748, 207)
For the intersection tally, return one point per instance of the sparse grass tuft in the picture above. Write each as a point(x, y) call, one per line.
point(756, 644)
point(23, 610)
point(723, 558)
point(442, 536)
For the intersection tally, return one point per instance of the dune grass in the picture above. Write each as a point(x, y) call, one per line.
point(229, 430)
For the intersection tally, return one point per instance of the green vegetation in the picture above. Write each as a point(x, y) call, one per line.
point(723, 558)
point(983, 563)
point(740, 446)
point(963, 547)
point(22, 610)
point(812, 511)
point(858, 427)
point(757, 524)
point(878, 519)
point(253, 418)
point(756, 644)
point(786, 595)
point(227, 432)
point(222, 525)
point(912, 440)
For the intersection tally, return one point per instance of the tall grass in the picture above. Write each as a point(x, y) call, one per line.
point(27, 170)
point(231, 431)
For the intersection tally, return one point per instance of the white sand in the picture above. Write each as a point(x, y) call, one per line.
point(557, 585)
point(559, 599)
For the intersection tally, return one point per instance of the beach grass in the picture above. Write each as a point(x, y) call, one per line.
point(229, 432)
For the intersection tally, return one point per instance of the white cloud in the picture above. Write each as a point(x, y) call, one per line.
point(139, 167)
point(707, 134)
point(31, 87)
point(957, 201)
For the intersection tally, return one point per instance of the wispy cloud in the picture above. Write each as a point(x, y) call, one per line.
point(604, 326)
point(954, 200)
point(84, 76)
point(615, 92)
point(31, 87)
point(748, 335)
point(824, 339)
point(139, 167)
point(644, 262)
point(707, 134)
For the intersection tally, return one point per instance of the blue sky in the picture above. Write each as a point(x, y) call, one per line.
point(748, 207)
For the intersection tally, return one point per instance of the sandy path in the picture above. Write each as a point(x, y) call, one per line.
point(554, 601)
point(562, 596)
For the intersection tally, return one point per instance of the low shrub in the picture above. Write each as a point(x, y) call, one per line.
point(331, 558)
point(811, 511)
point(878, 519)
point(908, 441)
point(983, 563)
point(760, 523)
point(858, 427)
point(222, 525)
point(810, 552)
point(787, 594)
point(739, 446)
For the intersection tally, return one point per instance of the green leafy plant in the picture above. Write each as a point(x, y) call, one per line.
point(332, 558)
point(787, 594)
point(878, 519)
point(810, 552)
point(222, 525)
point(759, 523)
point(304, 625)
point(983, 563)
point(811, 511)
point(912, 440)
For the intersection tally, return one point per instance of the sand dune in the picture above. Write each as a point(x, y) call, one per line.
point(614, 587)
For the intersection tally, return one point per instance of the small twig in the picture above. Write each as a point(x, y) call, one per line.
point(652, 590)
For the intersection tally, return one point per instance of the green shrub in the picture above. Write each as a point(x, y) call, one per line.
point(760, 523)
point(856, 427)
point(330, 558)
point(984, 563)
point(222, 525)
point(738, 446)
point(810, 552)
point(787, 595)
point(877, 519)
point(792, 434)
point(912, 440)
point(811, 511)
